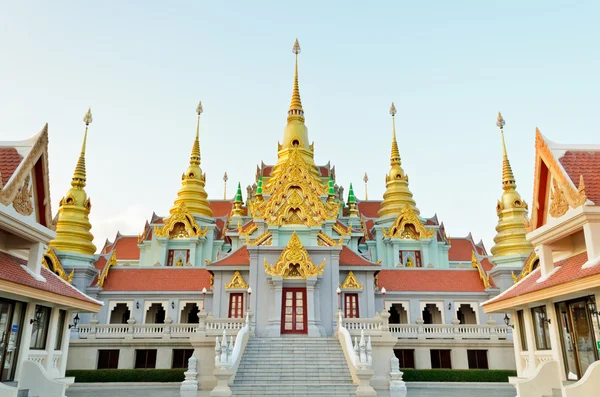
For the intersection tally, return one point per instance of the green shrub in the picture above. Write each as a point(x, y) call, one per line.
point(457, 375)
point(126, 375)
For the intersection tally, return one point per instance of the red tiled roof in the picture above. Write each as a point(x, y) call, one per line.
point(127, 248)
point(220, 207)
point(324, 171)
point(9, 162)
point(431, 280)
point(586, 163)
point(157, 279)
point(11, 270)
point(241, 257)
point(486, 264)
point(461, 249)
point(369, 226)
point(369, 208)
point(267, 170)
point(569, 270)
point(100, 262)
point(351, 258)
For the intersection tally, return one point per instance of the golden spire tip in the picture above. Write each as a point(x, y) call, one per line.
point(87, 119)
point(199, 109)
point(296, 49)
point(500, 121)
point(393, 110)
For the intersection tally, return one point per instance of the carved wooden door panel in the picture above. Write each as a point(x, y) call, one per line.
point(293, 311)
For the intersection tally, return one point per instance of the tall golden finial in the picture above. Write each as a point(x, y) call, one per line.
point(225, 179)
point(296, 104)
point(508, 178)
point(395, 156)
point(511, 210)
point(195, 157)
point(366, 179)
point(73, 224)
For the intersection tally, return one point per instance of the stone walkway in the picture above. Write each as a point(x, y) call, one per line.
point(471, 390)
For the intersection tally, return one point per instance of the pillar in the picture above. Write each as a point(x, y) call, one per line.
point(311, 308)
point(274, 327)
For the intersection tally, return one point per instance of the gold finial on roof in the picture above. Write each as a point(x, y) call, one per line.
point(395, 156)
point(366, 179)
point(195, 157)
point(296, 104)
point(511, 210)
point(225, 179)
point(79, 176)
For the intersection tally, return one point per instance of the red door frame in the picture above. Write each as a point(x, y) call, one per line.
point(347, 312)
point(294, 306)
point(240, 299)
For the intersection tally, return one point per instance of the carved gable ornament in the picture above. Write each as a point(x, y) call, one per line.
point(408, 226)
point(181, 224)
point(51, 262)
point(530, 265)
point(294, 262)
point(104, 274)
point(485, 278)
point(22, 202)
point(237, 282)
point(351, 282)
point(296, 192)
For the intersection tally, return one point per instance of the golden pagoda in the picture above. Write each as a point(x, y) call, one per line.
point(73, 225)
point(397, 194)
point(512, 211)
point(192, 192)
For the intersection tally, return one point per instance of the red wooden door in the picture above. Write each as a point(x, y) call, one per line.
point(236, 305)
point(351, 305)
point(293, 311)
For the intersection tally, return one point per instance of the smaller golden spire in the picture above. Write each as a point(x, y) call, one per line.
point(195, 157)
point(395, 156)
point(79, 176)
point(225, 179)
point(508, 178)
point(366, 179)
point(296, 104)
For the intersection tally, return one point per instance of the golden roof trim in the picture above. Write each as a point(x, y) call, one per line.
point(408, 216)
point(341, 231)
point(485, 278)
point(237, 281)
point(263, 239)
point(527, 268)
point(112, 261)
point(55, 265)
point(351, 282)
point(326, 241)
point(184, 216)
point(294, 262)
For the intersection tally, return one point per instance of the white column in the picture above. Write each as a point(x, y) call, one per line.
point(51, 341)
point(555, 338)
point(544, 252)
point(65, 344)
point(591, 232)
point(34, 261)
point(531, 347)
point(274, 327)
point(25, 337)
point(517, 331)
point(310, 306)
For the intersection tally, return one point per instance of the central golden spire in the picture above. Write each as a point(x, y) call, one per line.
point(295, 134)
point(73, 225)
point(511, 210)
point(192, 192)
point(397, 194)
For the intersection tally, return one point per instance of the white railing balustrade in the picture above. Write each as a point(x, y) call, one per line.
point(227, 354)
point(370, 326)
point(490, 331)
point(359, 354)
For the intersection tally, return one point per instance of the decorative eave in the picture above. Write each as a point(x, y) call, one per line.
point(263, 239)
point(294, 262)
point(528, 267)
point(237, 282)
point(485, 278)
point(110, 263)
point(400, 230)
point(183, 216)
point(351, 283)
point(51, 262)
point(326, 241)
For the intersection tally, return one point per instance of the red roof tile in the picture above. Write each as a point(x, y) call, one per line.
point(430, 280)
point(324, 171)
point(267, 170)
point(127, 248)
point(351, 258)
point(241, 257)
point(586, 163)
point(9, 162)
point(157, 279)
point(461, 249)
point(569, 270)
point(220, 207)
point(369, 208)
point(11, 270)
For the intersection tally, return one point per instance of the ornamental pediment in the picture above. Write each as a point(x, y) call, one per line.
point(181, 224)
point(408, 226)
point(294, 262)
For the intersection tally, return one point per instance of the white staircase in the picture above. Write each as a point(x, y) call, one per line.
point(294, 367)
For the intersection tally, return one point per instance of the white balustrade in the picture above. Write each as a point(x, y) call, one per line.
point(227, 353)
point(450, 331)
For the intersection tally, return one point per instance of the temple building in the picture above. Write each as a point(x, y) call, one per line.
point(553, 302)
point(294, 256)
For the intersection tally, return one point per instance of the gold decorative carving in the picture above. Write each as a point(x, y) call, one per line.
point(351, 282)
point(104, 274)
point(51, 262)
point(485, 278)
point(263, 239)
point(341, 231)
point(237, 282)
point(22, 202)
point(558, 203)
point(181, 224)
point(251, 229)
point(326, 241)
point(531, 263)
point(212, 282)
point(294, 262)
point(408, 226)
point(296, 192)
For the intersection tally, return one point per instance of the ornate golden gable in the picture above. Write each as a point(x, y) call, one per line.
point(263, 239)
point(351, 282)
point(485, 278)
point(237, 281)
point(408, 226)
point(51, 262)
point(326, 241)
point(296, 192)
point(343, 231)
point(528, 267)
point(294, 262)
point(181, 224)
point(111, 262)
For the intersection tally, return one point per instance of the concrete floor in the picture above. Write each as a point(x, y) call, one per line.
point(428, 390)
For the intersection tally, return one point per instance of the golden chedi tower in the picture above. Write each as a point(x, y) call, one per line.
point(73, 225)
point(511, 210)
point(397, 194)
point(295, 134)
point(192, 192)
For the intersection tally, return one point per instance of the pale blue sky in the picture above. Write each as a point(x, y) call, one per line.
point(449, 66)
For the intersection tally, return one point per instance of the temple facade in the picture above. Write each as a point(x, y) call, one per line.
point(295, 256)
